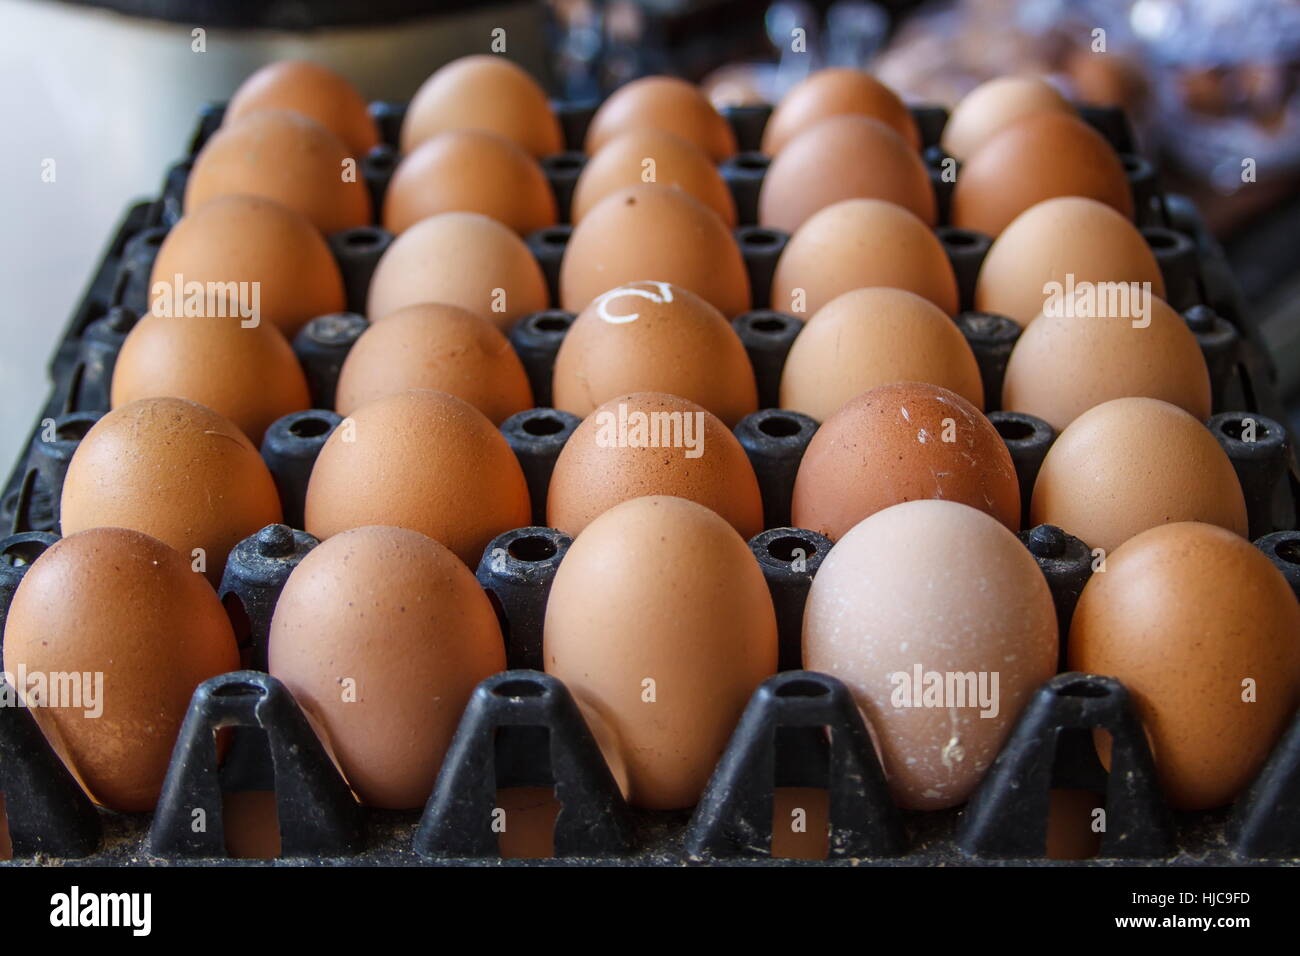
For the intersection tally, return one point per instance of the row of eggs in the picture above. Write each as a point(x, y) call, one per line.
point(656, 586)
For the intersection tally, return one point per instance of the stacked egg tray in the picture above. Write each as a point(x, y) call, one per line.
point(521, 727)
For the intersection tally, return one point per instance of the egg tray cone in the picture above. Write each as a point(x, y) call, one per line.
point(50, 820)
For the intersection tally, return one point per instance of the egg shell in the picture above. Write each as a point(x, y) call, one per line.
point(942, 587)
point(173, 469)
point(437, 347)
point(421, 460)
point(381, 634)
point(856, 244)
point(124, 606)
point(898, 443)
point(249, 375)
point(1067, 236)
point(666, 103)
point(1040, 157)
point(1064, 364)
point(993, 106)
point(313, 90)
point(843, 157)
point(468, 170)
point(1133, 463)
point(659, 233)
point(662, 590)
point(463, 259)
point(256, 241)
point(680, 450)
point(285, 157)
point(488, 93)
point(1184, 615)
point(654, 337)
point(870, 337)
point(673, 161)
point(833, 92)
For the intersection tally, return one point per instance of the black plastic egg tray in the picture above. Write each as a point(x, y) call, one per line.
point(521, 727)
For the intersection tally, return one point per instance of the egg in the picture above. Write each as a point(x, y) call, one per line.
point(843, 157)
point(438, 347)
point(136, 630)
point(463, 259)
point(173, 469)
point(859, 243)
point(833, 92)
point(1070, 240)
point(875, 336)
point(938, 620)
point(648, 155)
point(314, 91)
point(487, 93)
point(1205, 634)
point(898, 443)
point(666, 103)
point(422, 460)
point(660, 624)
point(247, 374)
point(1040, 157)
point(656, 232)
point(995, 105)
point(469, 170)
point(248, 239)
point(285, 157)
point(381, 635)
point(1131, 464)
point(649, 443)
point(1065, 363)
point(654, 337)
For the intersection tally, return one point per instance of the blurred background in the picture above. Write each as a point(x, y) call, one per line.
point(99, 97)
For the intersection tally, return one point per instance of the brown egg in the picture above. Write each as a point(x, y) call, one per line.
point(422, 460)
point(654, 337)
point(859, 243)
point(661, 625)
point(488, 93)
point(843, 157)
point(173, 469)
point(137, 630)
point(653, 231)
point(314, 91)
point(871, 337)
point(1067, 362)
point(897, 443)
point(832, 92)
point(667, 103)
point(940, 623)
point(251, 240)
point(1130, 464)
point(1205, 633)
point(438, 347)
point(249, 375)
point(469, 170)
point(1042, 156)
point(995, 105)
point(648, 443)
point(288, 158)
point(381, 634)
point(647, 155)
point(1057, 239)
point(463, 259)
